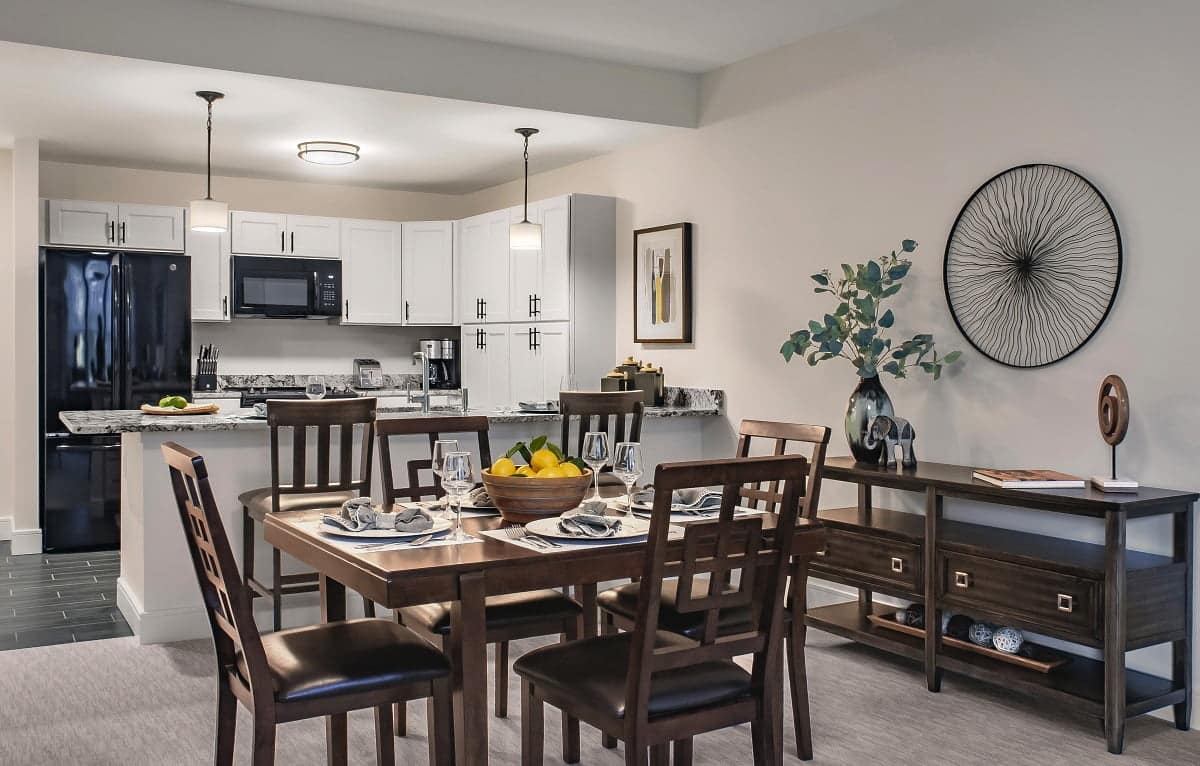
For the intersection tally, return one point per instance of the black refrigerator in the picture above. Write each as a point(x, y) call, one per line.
point(116, 333)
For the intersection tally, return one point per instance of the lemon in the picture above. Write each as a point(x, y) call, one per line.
point(503, 467)
point(570, 469)
point(525, 471)
point(543, 459)
point(551, 472)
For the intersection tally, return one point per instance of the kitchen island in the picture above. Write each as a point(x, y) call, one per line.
point(157, 592)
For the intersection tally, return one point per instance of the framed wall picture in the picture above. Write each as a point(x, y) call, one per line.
point(662, 284)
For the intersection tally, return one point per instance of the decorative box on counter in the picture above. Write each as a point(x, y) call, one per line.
point(635, 376)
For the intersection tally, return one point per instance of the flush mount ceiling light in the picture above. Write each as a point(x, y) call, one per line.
point(327, 152)
point(525, 235)
point(208, 214)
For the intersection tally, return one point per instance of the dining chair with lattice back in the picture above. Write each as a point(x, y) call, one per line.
point(651, 687)
point(617, 413)
point(507, 617)
point(619, 605)
point(353, 422)
point(290, 675)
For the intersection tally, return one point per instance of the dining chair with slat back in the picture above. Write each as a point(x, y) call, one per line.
point(299, 673)
point(508, 617)
point(618, 605)
point(344, 426)
point(651, 687)
point(617, 413)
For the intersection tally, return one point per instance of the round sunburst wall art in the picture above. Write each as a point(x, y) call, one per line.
point(1032, 265)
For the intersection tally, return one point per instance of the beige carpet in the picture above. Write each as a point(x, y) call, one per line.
point(114, 702)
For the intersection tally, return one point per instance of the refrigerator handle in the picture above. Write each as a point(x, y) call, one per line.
point(116, 322)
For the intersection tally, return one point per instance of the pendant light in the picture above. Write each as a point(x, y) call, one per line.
point(208, 214)
point(525, 235)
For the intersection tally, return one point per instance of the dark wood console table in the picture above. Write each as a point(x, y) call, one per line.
point(1102, 596)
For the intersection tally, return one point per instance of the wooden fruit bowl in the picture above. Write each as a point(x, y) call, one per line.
point(522, 498)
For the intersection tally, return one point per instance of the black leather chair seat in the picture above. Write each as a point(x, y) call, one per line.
point(509, 610)
point(346, 658)
point(595, 669)
point(258, 501)
point(623, 601)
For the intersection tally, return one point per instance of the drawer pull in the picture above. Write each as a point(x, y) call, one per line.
point(897, 565)
point(822, 553)
point(962, 579)
point(1066, 603)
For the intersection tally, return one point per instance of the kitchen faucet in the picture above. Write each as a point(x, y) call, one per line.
point(424, 382)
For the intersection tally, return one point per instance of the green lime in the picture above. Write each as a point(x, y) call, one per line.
point(178, 402)
point(166, 401)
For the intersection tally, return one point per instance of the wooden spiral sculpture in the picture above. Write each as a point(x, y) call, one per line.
point(1112, 410)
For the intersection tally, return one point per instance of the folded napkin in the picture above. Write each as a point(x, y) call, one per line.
point(359, 515)
point(480, 498)
point(589, 525)
point(683, 499)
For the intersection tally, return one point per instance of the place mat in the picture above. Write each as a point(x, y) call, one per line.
point(673, 533)
point(679, 516)
point(350, 545)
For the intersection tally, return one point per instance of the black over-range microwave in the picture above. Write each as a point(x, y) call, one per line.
point(274, 286)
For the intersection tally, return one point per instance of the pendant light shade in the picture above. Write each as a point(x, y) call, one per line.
point(208, 214)
point(525, 235)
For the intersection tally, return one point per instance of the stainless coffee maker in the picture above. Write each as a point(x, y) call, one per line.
point(442, 354)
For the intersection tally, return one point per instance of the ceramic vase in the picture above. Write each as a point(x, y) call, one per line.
point(868, 400)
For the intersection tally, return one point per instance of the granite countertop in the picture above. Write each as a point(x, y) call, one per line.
point(681, 402)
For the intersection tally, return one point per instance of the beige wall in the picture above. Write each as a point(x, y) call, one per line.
point(836, 148)
point(7, 378)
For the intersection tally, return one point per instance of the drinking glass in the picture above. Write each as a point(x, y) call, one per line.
point(627, 466)
point(595, 454)
point(316, 387)
point(457, 478)
point(441, 448)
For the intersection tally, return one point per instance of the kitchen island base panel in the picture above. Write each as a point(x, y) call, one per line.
point(157, 591)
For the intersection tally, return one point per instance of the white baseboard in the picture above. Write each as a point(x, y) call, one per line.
point(26, 541)
point(6, 528)
point(164, 626)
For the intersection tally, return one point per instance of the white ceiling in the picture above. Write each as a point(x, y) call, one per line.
point(686, 35)
point(108, 110)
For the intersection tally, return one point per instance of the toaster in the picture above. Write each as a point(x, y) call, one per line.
point(368, 373)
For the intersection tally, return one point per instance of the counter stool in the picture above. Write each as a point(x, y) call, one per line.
point(348, 416)
point(301, 673)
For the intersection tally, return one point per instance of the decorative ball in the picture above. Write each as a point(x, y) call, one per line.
point(1027, 650)
point(1008, 640)
point(902, 616)
point(959, 627)
point(915, 615)
point(980, 634)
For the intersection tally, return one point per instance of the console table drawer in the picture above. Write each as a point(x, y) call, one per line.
point(1026, 593)
point(873, 559)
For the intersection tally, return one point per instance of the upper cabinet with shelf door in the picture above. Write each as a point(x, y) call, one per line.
point(86, 223)
point(305, 236)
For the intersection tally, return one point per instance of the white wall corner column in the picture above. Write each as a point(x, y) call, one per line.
point(26, 532)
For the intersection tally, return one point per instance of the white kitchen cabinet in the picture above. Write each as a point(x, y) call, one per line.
point(311, 236)
point(486, 365)
point(372, 272)
point(483, 267)
point(428, 276)
point(209, 254)
point(306, 236)
point(539, 359)
point(150, 227)
point(540, 280)
point(86, 223)
point(81, 222)
point(257, 233)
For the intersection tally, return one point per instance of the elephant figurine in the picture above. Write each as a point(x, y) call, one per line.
point(891, 431)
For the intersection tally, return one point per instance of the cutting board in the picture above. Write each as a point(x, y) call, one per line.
point(191, 409)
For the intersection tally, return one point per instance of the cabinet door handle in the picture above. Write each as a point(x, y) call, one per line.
point(483, 313)
point(293, 241)
point(282, 242)
point(537, 305)
point(347, 308)
point(225, 306)
point(406, 311)
point(897, 565)
point(112, 231)
point(122, 232)
point(530, 305)
point(1066, 603)
point(537, 338)
point(962, 579)
point(483, 339)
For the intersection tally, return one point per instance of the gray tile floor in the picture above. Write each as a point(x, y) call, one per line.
point(58, 598)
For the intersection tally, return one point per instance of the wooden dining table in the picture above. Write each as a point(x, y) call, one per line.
point(465, 575)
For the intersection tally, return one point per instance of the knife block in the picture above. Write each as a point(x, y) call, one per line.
point(206, 381)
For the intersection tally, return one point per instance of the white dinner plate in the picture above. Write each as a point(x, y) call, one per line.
point(631, 528)
point(439, 525)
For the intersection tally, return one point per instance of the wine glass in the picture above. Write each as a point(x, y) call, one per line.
point(627, 466)
point(316, 387)
point(595, 454)
point(457, 478)
point(441, 448)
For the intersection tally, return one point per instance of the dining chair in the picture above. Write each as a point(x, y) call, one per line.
point(650, 687)
point(619, 605)
point(507, 617)
point(354, 421)
point(616, 413)
point(299, 673)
